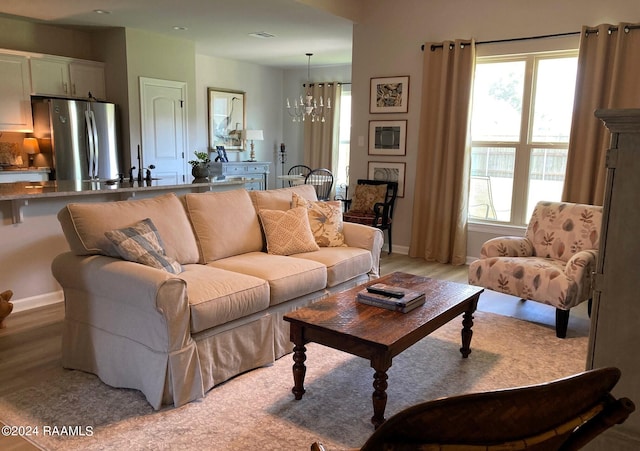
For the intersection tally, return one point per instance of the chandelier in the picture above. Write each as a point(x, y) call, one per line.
point(307, 106)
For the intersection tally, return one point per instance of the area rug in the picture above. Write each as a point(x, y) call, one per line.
point(257, 409)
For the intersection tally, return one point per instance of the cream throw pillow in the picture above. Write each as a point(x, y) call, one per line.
point(141, 243)
point(325, 219)
point(366, 196)
point(287, 231)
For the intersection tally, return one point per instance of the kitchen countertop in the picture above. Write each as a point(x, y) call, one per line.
point(65, 188)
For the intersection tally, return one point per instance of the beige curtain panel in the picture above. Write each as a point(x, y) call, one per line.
point(321, 139)
point(608, 68)
point(439, 228)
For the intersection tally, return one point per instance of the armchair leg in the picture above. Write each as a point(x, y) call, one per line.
point(562, 322)
point(389, 235)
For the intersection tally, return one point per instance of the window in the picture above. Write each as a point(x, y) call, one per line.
point(342, 167)
point(520, 124)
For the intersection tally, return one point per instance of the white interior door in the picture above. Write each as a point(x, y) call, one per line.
point(163, 128)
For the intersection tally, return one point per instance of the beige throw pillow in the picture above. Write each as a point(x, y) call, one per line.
point(366, 196)
point(325, 220)
point(141, 243)
point(288, 231)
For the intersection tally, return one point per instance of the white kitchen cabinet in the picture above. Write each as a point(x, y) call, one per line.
point(67, 77)
point(15, 102)
point(87, 77)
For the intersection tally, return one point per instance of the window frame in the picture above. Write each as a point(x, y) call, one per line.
point(525, 145)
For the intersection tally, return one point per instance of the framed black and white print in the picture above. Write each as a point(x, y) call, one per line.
point(388, 137)
point(388, 171)
point(389, 95)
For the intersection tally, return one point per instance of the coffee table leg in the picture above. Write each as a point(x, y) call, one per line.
point(299, 370)
point(380, 364)
point(467, 333)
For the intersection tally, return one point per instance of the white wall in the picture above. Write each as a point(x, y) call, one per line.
point(387, 43)
point(292, 81)
point(263, 98)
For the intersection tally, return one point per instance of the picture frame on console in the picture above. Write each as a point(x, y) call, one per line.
point(389, 94)
point(226, 118)
point(388, 138)
point(388, 171)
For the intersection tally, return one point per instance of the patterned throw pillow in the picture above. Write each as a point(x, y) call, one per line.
point(366, 196)
point(325, 219)
point(141, 243)
point(287, 232)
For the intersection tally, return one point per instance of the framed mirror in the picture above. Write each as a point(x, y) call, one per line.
point(226, 118)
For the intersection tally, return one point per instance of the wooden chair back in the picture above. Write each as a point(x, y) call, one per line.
point(299, 169)
point(564, 414)
point(322, 180)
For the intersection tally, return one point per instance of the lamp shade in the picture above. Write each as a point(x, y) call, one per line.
point(253, 135)
point(30, 146)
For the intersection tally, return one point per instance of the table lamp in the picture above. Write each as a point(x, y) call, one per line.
point(253, 135)
point(31, 147)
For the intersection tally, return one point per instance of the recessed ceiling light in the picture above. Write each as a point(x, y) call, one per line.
point(262, 35)
point(101, 11)
point(179, 28)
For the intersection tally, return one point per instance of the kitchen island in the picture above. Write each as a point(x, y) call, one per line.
point(31, 236)
point(19, 193)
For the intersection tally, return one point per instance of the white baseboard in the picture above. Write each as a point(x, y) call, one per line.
point(20, 305)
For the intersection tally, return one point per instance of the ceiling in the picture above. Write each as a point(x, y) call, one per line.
point(219, 28)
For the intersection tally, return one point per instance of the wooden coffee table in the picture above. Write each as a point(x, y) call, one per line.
point(377, 334)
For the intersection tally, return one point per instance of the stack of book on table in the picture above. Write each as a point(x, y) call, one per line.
point(391, 297)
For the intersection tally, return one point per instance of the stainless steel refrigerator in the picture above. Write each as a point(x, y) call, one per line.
point(81, 136)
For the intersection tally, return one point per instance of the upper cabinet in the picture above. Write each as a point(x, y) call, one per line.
point(15, 101)
point(66, 77)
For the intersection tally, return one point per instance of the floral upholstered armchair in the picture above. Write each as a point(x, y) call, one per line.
point(553, 263)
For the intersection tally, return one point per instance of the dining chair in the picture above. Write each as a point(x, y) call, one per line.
point(322, 180)
point(298, 169)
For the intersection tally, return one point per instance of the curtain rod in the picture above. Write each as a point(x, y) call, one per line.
point(322, 83)
point(557, 35)
point(627, 28)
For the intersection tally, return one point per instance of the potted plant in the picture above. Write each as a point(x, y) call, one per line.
point(200, 166)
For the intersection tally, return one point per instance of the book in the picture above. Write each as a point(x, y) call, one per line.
point(410, 300)
point(370, 299)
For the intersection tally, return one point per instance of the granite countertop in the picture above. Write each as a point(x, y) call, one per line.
point(64, 188)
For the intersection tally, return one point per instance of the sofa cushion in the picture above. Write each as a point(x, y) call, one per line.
point(366, 196)
point(288, 277)
point(141, 243)
point(84, 225)
point(325, 219)
point(217, 296)
point(225, 223)
point(287, 232)
point(280, 199)
point(343, 263)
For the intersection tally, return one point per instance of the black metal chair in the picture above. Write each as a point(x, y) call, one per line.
point(322, 181)
point(381, 213)
point(299, 169)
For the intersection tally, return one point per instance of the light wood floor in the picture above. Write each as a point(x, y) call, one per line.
point(30, 344)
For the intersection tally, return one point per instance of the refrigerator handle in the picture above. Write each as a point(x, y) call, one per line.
point(92, 135)
point(96, 145)
point(87, 119)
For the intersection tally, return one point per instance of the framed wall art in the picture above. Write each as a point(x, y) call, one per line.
point(389, 95)
point(226, 118)
point(388, 137)
point(389, 171)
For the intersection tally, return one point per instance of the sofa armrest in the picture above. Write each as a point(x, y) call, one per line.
point(144, 304)
point(365, 237)
point(507, 246)
point(580, 268)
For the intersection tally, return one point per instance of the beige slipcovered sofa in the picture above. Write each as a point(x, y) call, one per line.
point(175, 336)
